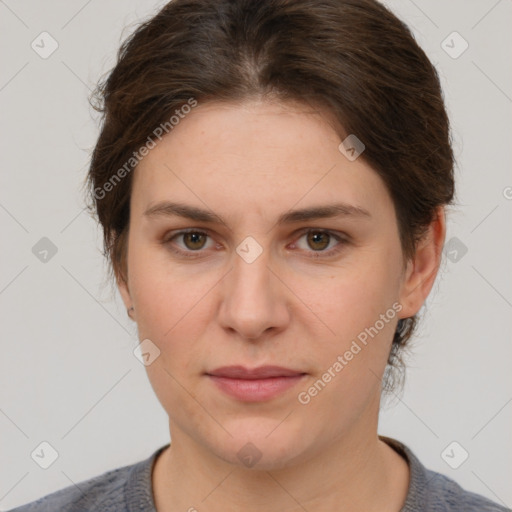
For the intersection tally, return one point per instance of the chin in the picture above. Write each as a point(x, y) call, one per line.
point(261, 446)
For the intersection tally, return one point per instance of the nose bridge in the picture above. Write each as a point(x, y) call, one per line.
point(251, 302)
point(250, 278)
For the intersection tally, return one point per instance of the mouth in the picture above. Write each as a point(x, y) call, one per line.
point(254, 385)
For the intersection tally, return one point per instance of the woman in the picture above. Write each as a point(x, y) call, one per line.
point(271, 178)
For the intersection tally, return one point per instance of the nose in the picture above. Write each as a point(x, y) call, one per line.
point(255, 301)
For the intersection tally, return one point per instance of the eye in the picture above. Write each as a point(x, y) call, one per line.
point(193, 241)
point(318, 240)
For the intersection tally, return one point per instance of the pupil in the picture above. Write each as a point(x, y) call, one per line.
point(317, 239)
point(194, 238)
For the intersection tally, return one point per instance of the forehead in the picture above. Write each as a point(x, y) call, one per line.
point(257, 155)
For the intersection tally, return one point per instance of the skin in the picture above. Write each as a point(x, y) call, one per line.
point(249, 163)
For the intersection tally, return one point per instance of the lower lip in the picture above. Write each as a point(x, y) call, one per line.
point(256, 390)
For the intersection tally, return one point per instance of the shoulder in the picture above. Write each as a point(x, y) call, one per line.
point(443, 493)
point(106, 489)
point(430, 491)
point(115, 490)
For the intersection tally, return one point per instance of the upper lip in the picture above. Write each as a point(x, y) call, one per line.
point(262, 372)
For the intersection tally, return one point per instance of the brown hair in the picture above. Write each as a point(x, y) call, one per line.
point(354, 58)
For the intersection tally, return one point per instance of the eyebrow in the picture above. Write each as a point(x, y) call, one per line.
point(172, 209)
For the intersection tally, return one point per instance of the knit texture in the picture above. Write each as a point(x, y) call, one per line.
point(129, 489)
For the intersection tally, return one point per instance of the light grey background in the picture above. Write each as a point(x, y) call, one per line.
point(67, 372)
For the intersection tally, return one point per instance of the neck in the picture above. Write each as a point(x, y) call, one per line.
point(356, 472)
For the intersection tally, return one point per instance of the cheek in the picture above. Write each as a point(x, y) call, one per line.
point(164, 296)
point(173, 315)
point(172, 312)
point(352, 298)
point(358, 304)
point(169, 313)
point(350, 363)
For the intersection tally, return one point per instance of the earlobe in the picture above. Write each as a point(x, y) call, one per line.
point(422, 269)
point(124, 291)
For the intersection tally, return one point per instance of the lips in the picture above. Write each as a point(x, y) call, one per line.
point(262, 372)
point(256, 384)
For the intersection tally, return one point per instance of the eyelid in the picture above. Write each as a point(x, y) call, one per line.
point(342, 239)
point(168, 238)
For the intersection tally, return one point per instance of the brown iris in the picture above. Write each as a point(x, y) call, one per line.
point(318, 237)
point(195, 240)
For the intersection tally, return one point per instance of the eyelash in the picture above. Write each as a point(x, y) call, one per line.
point(315, 254)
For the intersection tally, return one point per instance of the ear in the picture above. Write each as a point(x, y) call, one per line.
point(421, 270)
point(124, 290)
point(120, 270)
point(122, 286)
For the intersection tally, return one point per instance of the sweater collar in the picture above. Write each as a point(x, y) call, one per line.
point(138, 490)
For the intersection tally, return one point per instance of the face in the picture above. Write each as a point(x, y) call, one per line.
point(250, 287)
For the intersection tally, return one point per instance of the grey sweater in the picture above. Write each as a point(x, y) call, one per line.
point(129, 489)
